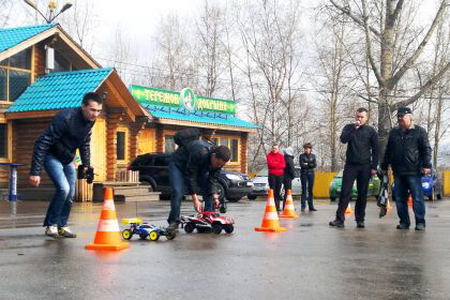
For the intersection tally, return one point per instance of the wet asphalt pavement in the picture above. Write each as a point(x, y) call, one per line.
point(309, 261)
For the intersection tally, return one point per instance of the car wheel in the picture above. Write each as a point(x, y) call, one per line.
point(143, 236)
point(154, 235)
point(188, 228)
point(127, 234)
point(234, 199)
point(332, 199)
point(217, 228)
point(251, 197)
point(229, 228)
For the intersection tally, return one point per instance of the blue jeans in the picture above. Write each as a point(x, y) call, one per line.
point(63, 177)
point(178, 190)
point(413, 184)
point(307, 180)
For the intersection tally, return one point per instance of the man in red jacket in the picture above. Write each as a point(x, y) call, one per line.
point(276, 164)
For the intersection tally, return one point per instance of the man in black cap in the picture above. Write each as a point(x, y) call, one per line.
point(408, 152)
point(360, 164)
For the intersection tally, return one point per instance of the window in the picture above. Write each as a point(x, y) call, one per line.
point(15, 75)
point(61, 64)
point(120, 145)
point(169, 144)
point(234, 150)
point(233, 144)
point(3, 141)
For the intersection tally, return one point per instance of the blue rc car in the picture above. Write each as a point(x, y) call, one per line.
point(145, 230)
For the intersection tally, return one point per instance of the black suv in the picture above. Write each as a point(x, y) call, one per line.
point(154, 171)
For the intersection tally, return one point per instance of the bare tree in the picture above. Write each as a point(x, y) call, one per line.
point(390, 51)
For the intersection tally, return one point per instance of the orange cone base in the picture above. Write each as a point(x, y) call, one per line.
point(108, 247)
point(288, 216)
point(271, 229)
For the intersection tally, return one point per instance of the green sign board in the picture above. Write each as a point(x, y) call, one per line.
point(186, 98)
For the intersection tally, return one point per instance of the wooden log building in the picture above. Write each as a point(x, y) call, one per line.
point(42, 70)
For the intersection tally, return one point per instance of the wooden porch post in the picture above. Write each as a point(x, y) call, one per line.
point(135, 130)
point(114, 116)
point(244, 150)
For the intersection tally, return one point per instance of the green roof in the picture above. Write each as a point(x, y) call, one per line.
point(11, 37)
point(181, 114)
point(59, 90)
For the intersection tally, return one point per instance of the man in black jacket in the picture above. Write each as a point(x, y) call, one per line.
point(196, 167)
point(307, 164)
point(408, 152)
point(360, 164)
point(55, 150)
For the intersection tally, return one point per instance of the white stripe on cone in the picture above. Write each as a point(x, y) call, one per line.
point(108, 205)
point(108, 226)
point(289, 206)
point(270, 216)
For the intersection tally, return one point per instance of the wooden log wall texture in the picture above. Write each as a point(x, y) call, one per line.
point(112, 123)
point(244, 150)
point(25, 133)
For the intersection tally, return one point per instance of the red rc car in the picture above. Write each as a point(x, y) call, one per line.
point(207, 221)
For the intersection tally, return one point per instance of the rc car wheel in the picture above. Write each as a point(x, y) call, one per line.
point(126, 234)
point(188, 228)
point(154, 235)
point(143, 236)
point(171, 235)
point(217, 228)
point(228, 228)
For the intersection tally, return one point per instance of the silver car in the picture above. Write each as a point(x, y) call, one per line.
point(261, 184)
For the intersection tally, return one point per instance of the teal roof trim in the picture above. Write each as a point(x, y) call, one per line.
point(59, 90)
point(11, 37)
point(181, 114)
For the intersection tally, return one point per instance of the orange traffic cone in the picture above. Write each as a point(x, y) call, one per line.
point(270, 221)
point(289, 209)
point(108, 232)
point(410, 202)
point(349, 209)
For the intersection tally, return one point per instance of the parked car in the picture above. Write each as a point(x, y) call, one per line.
point(261, 184)
point(431, 185)
point(336, 186)
point(154, 171)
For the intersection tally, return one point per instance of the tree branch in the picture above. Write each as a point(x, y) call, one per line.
point(410, 62)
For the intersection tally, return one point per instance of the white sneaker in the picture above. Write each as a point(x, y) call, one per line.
point(66, 232)
point(51, 231)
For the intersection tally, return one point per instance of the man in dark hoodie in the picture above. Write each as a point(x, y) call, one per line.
point(55, 150)
point(196, 167)
point(289, 171)
point(360, 164)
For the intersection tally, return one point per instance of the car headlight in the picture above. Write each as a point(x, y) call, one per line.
point(426, 185)
point(233, 177)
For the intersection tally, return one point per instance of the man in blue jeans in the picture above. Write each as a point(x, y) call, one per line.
point(195, 168)
point(408, 152)
point(55, 150)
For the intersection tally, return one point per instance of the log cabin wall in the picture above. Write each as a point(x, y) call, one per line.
point(25, 133)
point(114, 117)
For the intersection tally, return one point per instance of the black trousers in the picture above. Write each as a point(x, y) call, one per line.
point(275, 183)
point(287, 184)
point(362, 175)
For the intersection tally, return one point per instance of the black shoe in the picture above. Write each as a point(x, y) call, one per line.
point(402, 226)
point(312, 209)
point(172, 228)
point(360, 224)
point(336, 223)
point(420, 227)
